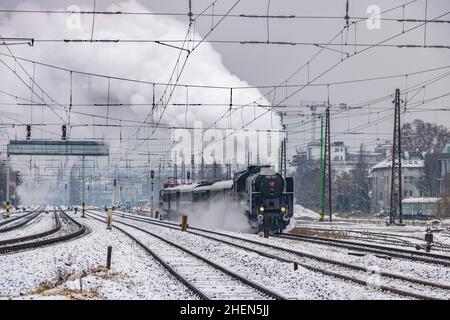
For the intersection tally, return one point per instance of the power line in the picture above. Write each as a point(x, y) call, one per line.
point(215, 15)
point(339, 62)
point(112, 77)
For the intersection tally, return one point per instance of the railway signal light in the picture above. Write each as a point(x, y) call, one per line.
point(188, 175)
point(64, 132)
point(115, 182)
point(152, 174)
point(28, 132)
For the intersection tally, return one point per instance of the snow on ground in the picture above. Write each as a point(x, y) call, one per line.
point(42, 223)
point(55, 270)
point(434, 273)
point(279, 276)
point(420, 270)
point(413, 234)
point(302, 212)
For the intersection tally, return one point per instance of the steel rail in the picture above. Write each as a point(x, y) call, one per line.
point(172, 271)
point(17, 218)
point(372, 248)
point(36, 244)
point(301, 254)
point(36, 235)
point(28, 219)
point(257, 287)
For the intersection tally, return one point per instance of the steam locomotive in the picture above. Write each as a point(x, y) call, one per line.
point(264, 196)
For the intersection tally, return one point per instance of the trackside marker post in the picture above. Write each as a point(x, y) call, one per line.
point(109, 219)
point(8, 207)
point(184, 225)
point(108, 258)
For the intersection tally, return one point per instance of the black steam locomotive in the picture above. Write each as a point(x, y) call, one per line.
point(265, 197)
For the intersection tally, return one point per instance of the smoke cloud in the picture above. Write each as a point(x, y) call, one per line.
point(141, 61)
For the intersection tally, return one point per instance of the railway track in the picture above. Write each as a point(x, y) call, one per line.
point(204, 277)
point(376, 249)
point(64, 225)
point(26, 219)
point(398, 284)
point(379, 238)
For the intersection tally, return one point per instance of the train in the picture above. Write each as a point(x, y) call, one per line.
point(265, 197)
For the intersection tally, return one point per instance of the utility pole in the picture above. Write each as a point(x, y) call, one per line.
point(202, 168)
point(283, 165)
point(7, 177)
point(183, 171)
point(396, 173)
point(152, 176)
point(192, 167)
point(322, 176)
point(327, 166)
point(159, 175)
point(82, 178)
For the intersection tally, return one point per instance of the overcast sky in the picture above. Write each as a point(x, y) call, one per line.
point(233, 64)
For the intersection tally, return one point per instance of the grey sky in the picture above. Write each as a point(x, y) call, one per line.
point(271, 64)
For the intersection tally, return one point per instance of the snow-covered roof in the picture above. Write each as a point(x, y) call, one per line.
point(446, 148)
point(387, 163)
point(420, 200)
point(183, 187)
point(227, 184)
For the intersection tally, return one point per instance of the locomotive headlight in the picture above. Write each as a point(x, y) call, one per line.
point(283, 209)
point(261, 209)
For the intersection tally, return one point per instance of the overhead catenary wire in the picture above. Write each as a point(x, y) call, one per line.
point(213, 15)
point(193, 85)
point(339, 62)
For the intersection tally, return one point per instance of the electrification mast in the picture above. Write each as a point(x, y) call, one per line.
point(396, 173)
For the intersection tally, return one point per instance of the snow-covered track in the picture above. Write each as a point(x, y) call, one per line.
point(43, 240)
point(210, 279)
point(376, 249)
point(378, 238)
point(399, 284)
point(26, 218)
point(34, 236)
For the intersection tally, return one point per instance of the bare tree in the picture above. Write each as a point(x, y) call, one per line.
point(307, 183)
point(351, 189)
point(425, 136)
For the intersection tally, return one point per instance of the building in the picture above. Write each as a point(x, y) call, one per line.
point(338, 151)
point(384, 148)
point(421, 208)
point(437, 167)
point(412, 170)
point(342, 158)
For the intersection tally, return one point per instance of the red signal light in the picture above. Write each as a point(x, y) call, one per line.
point(272, 183)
